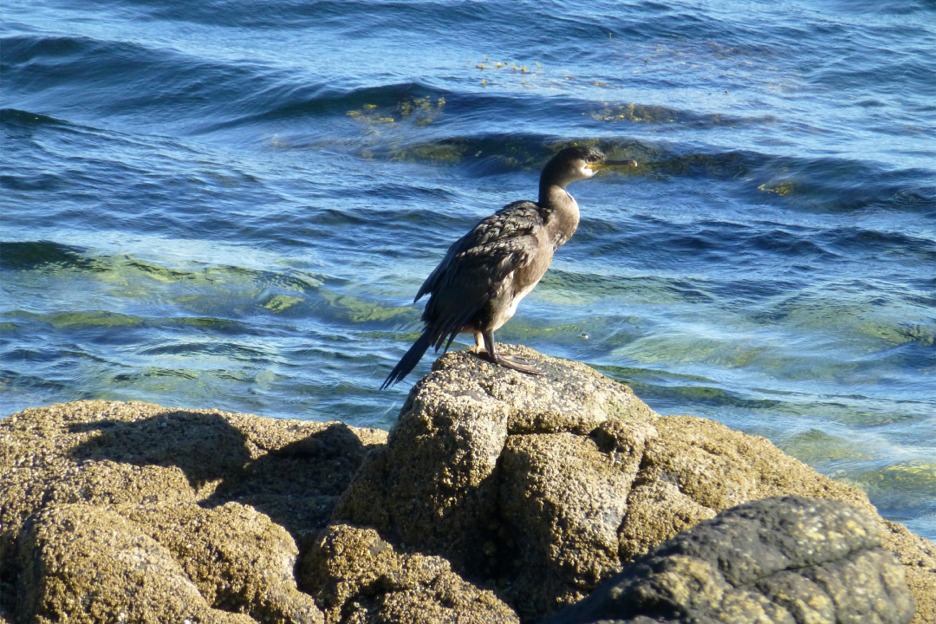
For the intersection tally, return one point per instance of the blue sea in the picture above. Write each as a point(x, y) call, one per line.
point(231, 204)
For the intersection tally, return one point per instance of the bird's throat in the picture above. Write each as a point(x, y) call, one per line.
point(561, 214)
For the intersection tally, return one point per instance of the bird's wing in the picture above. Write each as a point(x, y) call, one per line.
point(477, 266)
point(497, 245)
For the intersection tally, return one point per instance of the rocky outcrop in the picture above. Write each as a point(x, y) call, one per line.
point(544, 486)
point(498, 497)
point(138, 513)
point(785, 559)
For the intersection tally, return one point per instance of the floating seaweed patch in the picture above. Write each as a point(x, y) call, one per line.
point(505, 68)
point(487, 64)
point(420, 110)
point(786, 187)
point(280, 303)
point(636, 113)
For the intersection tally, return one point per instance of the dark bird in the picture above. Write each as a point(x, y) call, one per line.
point(488, 271)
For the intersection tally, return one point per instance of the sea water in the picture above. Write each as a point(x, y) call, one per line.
point(232, 204)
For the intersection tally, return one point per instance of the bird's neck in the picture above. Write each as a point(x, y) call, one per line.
point(560, 213)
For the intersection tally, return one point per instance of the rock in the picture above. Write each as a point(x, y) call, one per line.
point(217, 500)
point(237, 557)
point(548, 485)
point(695, 467)
point(570, 525)
point(918, 556)
point(86, 564)
point(498, 497)
point(361, 578)
point(436, 482)
point(785, 559)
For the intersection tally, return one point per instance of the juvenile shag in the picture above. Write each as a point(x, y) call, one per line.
point(487, 272)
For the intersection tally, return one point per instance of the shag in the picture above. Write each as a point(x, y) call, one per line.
point(488, 271)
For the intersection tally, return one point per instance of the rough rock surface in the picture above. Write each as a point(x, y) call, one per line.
point(544, 486)
point(362, 578)
point(498, 497)
point(92, 565)
point(785, 559)
point(154, 514)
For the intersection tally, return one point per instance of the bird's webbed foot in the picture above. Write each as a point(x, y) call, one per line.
point(507, 361)
point(517, 364)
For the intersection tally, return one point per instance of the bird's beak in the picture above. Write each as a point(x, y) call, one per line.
point(614, 164)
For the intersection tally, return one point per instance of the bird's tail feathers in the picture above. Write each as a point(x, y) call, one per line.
point(409, 361)
point(434, 336)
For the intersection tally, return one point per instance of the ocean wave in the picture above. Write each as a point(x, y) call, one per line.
point(112, 79)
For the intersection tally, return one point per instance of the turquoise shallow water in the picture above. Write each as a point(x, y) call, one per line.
point(232, 204)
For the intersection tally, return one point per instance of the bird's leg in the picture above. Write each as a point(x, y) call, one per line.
point(507, 361)
point(479, 344)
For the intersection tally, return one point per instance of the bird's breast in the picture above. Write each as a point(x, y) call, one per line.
point(519, 283)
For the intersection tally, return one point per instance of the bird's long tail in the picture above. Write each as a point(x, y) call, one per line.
point(409, 361)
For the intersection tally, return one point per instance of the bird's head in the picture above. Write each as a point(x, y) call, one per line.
point(579, 163)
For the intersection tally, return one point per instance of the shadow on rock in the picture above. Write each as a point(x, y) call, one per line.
point(206, 447)
point(297, 485)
